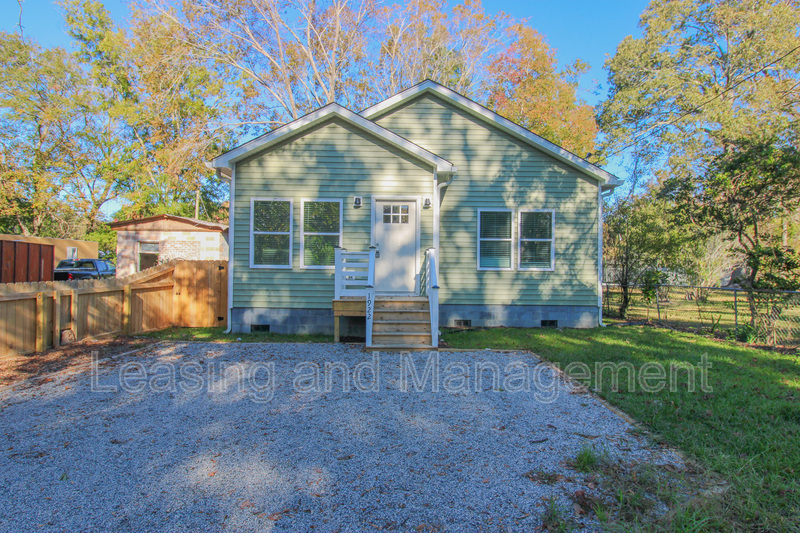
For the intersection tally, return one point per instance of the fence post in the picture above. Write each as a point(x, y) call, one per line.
point(73, 314)
point(126, 309)
point(56, 319)
point(41, 335)
point(658, 305)
point(735, 311)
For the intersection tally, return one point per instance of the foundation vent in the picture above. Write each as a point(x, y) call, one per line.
point(462, 323)
point(549, 323)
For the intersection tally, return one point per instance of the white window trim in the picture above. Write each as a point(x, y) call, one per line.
point(551, 240)
point(253, 233)
point(303, 232)
point(509, 239)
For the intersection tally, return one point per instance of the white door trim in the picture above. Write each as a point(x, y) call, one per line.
point(374, 217)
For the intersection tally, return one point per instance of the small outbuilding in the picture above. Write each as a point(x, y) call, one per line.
point(145, 242)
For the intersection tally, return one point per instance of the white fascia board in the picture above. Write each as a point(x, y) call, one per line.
point(227, 159)
point(608, 180)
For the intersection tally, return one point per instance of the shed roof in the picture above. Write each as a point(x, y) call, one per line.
point(173, 223)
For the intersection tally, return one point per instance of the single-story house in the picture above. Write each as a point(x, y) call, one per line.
point(424, 209)
point(143, 243)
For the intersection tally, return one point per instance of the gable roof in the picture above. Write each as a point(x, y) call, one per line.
point(608, 180)
point(181, 224)
point(323, 114)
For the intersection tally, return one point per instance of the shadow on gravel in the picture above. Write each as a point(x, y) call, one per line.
point(163, 455)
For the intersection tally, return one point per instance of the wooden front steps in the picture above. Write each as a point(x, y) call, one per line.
point(401, 323)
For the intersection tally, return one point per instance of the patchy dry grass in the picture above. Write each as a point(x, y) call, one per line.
point(746, 429)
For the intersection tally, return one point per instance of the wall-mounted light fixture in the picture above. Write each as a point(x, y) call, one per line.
point(426, 202)
point(356, 201)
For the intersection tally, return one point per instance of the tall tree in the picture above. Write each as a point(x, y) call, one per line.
point(704, 74)
point(101, 156)
point(38, 89)
point(526, 87)
point(639, 236)
point(709, 100)
point(424, 39)
point(285, 58)
point(155, 118)
point(176, 121)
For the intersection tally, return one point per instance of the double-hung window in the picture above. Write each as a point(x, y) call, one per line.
point(495, 248)
point(270, 233)
point(321, 233)
point(536, 246)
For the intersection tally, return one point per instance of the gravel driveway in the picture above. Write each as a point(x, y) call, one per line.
point(244, 437)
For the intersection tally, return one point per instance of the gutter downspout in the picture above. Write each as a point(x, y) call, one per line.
point(437, 194)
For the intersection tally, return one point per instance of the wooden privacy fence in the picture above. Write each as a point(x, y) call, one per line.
point(35, 316)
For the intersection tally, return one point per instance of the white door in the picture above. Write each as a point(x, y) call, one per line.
point(395, 237)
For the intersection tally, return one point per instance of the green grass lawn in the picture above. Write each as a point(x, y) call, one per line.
point(747, 429)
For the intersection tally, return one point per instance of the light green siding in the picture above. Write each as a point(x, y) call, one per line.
point(497, 171)
point(333, 161)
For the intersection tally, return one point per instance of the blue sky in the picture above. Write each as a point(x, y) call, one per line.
point(585, 29)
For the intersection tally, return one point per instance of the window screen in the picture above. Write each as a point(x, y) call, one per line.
point(321, 232)
point(536, 240)
point(494, 240)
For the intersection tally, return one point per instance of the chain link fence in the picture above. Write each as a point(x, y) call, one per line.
point(768, 317)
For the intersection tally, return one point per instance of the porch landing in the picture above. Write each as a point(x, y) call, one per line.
point(399, 322)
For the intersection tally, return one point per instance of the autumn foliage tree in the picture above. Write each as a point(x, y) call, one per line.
point(526, 87)
point(424, 39)
point(287, 58)
point(129, 117)
point(38, 101)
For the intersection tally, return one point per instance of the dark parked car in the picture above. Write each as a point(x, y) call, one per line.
point(84, 269)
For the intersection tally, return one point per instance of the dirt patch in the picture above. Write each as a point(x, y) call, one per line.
point(16, 369)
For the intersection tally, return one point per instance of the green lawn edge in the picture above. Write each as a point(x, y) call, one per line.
point(747, 428)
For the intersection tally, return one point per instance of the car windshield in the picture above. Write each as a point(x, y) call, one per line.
point(84, 264)
point(66, 263)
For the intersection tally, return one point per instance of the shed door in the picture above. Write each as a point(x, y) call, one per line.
point(395, 236)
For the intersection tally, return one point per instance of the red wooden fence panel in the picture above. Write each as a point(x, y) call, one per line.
point(25, 262)
point(48, 262)
point(6, 262)
point(34, 263)
point(20, 262)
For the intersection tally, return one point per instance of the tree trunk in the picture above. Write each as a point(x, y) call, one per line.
point(626, 300)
